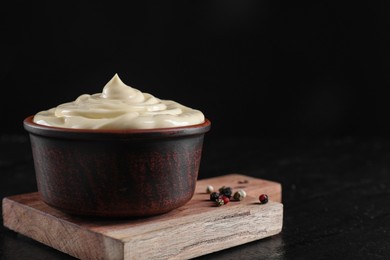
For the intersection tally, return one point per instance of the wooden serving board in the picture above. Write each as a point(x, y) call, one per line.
point(195, 229)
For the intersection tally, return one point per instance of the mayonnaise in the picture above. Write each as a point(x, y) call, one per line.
point(119, 107)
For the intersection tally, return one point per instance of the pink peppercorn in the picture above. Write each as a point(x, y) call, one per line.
point(222, 200)
point(225, 199)
point(263, 198)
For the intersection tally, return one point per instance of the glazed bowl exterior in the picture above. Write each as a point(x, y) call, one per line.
point(116, 173)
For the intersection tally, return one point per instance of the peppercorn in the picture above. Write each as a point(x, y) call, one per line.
point(209, 189)
point(227, 191)
point(239, 195)
point(225, 199)
point(222, 200)
point(214, 196)
point(263, 198)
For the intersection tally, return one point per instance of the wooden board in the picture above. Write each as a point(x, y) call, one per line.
point(195, 229)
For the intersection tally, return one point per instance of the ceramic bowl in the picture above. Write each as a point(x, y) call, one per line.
point(116, 173)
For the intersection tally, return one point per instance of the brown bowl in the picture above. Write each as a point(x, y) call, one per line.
point(116, 173)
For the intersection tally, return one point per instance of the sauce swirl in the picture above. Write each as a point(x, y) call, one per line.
point(119, 107)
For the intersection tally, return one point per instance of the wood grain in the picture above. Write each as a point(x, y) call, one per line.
point(195, 229)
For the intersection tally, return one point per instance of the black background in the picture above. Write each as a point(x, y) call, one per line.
point(259, 68)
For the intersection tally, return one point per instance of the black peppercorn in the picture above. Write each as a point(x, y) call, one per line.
point(214, 196)
point(226, 191)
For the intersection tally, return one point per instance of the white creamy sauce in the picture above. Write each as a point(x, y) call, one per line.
point(119, 107)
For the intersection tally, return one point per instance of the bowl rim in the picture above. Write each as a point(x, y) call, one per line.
point(62, 132)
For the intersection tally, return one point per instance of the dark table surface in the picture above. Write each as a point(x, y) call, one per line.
point(336, 195)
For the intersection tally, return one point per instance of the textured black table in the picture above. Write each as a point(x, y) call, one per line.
point(336, 195)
